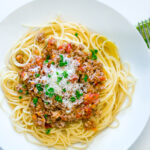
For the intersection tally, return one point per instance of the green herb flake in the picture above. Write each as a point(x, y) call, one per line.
point(64, 90)
point(37, 75)
point(78, 94)
point(65, 63)
point(39, 87)
point(53, 63)
point(35, 100)
point(59, 79)
point(49, 75)
point(46, 103)
point(61, 57)
point(51, 90)
point(72, 99)
point(58, 98)
point(46, 61)
point(94, 52)
point(20, 91)
point(39, 93)
point(24, 86)
point(57, 73)
point(94, 57)
point(46, 86)
point(65, 74)
point(48, 57)
point(51, 95)
point(61, 61)
point(45, 116)
point(47, 93)
point(76, 34)
point(85, 78)
point(48, 131)
point(61, 64)
point(68, 82)
point(20, 97)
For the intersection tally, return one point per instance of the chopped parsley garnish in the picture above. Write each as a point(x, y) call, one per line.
point(48, 57)
point(94, 52)
point(53, 63)
point(62, 62)
point(78, 94)
point(20, 97)
point(39, 87)
point(49, 75)
point(50, 92)
point(46, 86)
point(72, 99)
point(58, 98)
point(46, 103)
point(35, 100)
point(65, 74)
point(39, 93)
point(59, 79)
point(20, 91)
point(51, 95)
point(85, 78)
point(76, 34)
point(37, 75)
point(64, 90)
point(68, 82)
point(61, 57)
point(48, 131)
point(45, 116)
point(46, 61)
point(24, 86)
point(47, 93)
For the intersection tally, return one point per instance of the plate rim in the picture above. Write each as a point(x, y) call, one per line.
point(131, 26)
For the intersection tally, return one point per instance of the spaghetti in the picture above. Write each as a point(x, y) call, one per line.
point(57, 52)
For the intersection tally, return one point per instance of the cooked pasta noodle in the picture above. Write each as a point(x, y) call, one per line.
point(118, 87)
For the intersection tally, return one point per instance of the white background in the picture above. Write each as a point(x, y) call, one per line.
point(133, 10)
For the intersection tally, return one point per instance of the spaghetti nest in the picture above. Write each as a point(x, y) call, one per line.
point(65, 84)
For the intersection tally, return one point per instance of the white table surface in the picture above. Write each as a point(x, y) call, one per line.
point(133, 10)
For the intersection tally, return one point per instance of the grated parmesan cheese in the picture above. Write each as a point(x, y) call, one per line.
point(55, 71)
point(35, 69)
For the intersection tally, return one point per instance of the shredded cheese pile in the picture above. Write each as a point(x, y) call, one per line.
point(50, 79)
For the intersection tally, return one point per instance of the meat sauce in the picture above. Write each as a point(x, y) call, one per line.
point(55, 104)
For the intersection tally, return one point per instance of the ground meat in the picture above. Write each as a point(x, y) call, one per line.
point(19, 58)
point(46, 111)
point(89, 124)
point(40, 37)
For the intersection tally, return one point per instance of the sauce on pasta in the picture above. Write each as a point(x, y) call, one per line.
point(65, 84)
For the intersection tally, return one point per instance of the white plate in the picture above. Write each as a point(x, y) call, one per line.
point(108, 22)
